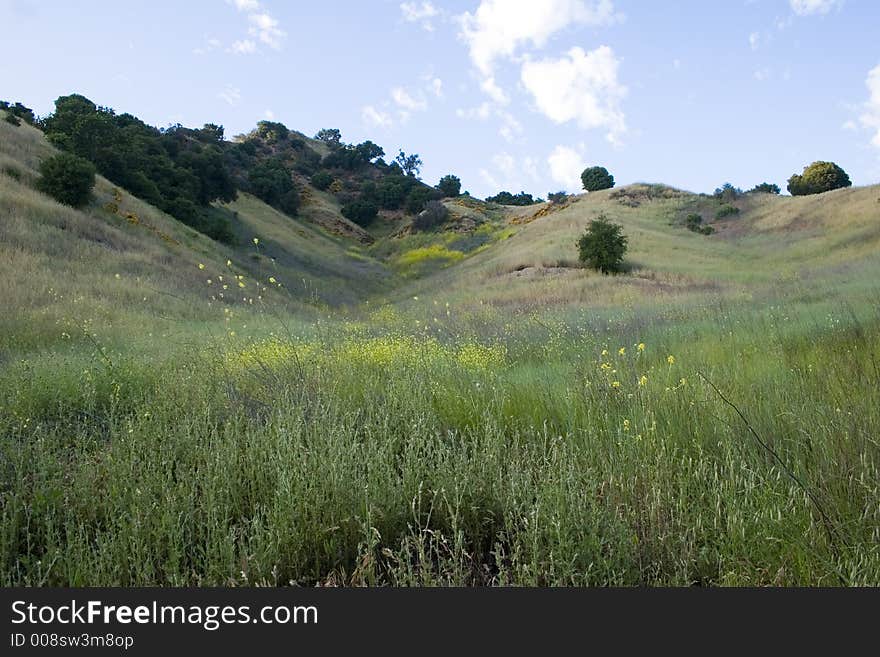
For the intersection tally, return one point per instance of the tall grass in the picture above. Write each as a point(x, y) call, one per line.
point(372, 453)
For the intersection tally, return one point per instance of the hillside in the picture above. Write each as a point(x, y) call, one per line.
point(312, 401)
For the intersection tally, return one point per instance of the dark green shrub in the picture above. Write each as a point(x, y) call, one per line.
point(557, 197)
point(506, 198)
point(694, 223)
point(449, 186)
point(765, 188)
point(12, 172)
point(289, 203)
point(361, 212)
point(596, 179)
point(270, 181)
point(322, 180)
point(418, 197)
point(727, 193)
point(726, 211)
point(817, 178)
point(67, 178)
point(603, 245)
point(434, 214)
point(12, 118)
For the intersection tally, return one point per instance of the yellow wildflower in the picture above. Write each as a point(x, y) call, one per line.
point(272, 280)
point(641, 346)
point(670, 359)
point(621, 351)
point(643, 381)
point(256, 240)
point(615, 384)
point(626, 425)
point(201, 266)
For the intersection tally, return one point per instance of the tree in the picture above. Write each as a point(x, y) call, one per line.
point(270, 181)
point(411, 165)
point(67, 178)
point(603, 245)
point(330, 136)
point(321, 180)
point(361, 212)
point(817, 178)
point(449, 186)
point(765, 188)
point(727, 193)
point(556, 197)
point(596, 179)
point(506, 198)
point(418, 196)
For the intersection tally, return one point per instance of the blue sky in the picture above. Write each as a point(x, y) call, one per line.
point(511, 94)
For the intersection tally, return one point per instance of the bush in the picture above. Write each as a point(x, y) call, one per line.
point(361, 212)
point(727, 193)
point(603, 245)
point(12, 118)
point(694, 223)
point(765, 188)
point(726, 211)
point(418, 197)
point(449, 186)
point(434, 214)
point(67, 178)
point(506, 198)
point(557, 197)
point(817, 178)
point(322, 180)
point(289, 203)
point(596, 179)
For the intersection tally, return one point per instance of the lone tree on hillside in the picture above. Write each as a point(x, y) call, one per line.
point(817, 178)
point(67, 178)
point(411, 165)
point(597, 178)
point(603, 245)
point(450, 185)
point(765, 188)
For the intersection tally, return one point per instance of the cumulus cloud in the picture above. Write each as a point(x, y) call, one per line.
point(423, 13)
point(813, 7)
point(499, 28)
point(376, 118)
point(870, 118)
point(482, 112)
point(566, 165)
point(582, 87)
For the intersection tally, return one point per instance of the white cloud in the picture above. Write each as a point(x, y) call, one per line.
point(762, 74)
point(498, 28)
point(423, 13)
point(870, 119)
point(496, 93)
point(266, 29)
point(246, 5)
point(813, 7)
point(581, 86)
point(436, 87)
point(376, 118)
point(510, 173)
point(510, 128)
point(406, 102)
point(482, 112)
point(755, 40)
point(566, 165)
point(231, 95)
point(243, 47)
point(269, 114)
point(262, 26)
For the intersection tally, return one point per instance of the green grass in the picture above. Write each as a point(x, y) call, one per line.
point(505, 418)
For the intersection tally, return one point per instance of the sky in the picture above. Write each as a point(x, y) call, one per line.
point(506, 94)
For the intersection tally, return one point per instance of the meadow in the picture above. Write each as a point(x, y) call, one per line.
point(376, 415)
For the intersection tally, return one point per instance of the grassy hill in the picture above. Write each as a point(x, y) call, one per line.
point(456, 406)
